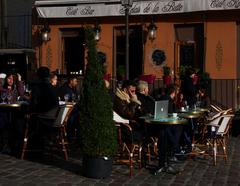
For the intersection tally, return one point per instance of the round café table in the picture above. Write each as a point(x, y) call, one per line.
point(10, 110)
point(164, 120)
point(161, 124)
point(192, 114)
point(6, 106)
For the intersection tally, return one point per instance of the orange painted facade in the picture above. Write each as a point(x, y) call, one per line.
point(220, 37)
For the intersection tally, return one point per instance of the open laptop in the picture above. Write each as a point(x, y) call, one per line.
point(161, 109)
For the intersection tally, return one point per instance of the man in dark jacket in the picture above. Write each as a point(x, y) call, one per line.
point(43, 96)
point(188, 88)
point(147, 102)
point(43, 101)
point(68, 91)
point(174, 132)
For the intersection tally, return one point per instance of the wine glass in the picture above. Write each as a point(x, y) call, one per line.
point(9, 98)
point(3, 96)
point(66, 97)
point(73, 97)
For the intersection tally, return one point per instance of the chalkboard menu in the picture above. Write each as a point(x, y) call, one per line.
point(187, 55)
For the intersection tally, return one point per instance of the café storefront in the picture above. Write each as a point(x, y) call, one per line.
point(202, 34)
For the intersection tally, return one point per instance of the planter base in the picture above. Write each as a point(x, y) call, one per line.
point(100, 167)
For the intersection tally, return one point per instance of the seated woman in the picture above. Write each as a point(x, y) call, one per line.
point(180, 101)
point(203, 98)
point(12, 88)
point(11, 124)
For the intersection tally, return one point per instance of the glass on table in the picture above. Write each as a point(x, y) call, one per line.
point(9, 98)
point(175, 115)
point(66, 97)
point(198, 104)
point(3, 96)
point(73, 97)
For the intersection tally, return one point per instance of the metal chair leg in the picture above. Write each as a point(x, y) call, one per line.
point(25, 143)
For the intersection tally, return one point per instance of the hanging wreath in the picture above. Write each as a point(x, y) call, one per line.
point(158, 57)
point(101, 57)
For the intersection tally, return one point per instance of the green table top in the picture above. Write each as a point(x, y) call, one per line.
point(164, 120)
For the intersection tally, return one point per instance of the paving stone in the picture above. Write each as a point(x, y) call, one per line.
point(58, 172)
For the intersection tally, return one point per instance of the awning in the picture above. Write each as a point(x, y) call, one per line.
point(91, 8)
point(68, 2)
point(16, 51)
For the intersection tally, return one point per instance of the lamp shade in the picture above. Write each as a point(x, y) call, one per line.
point(45, 33)
point(152, 31)
point(97, 32)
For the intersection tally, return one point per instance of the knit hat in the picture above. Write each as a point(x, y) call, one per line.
point(2, 75)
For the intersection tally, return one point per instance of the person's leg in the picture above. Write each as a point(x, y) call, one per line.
point(72, 125)
point(178, 130)
point(187, 135)
point(161, 151)
point(173, 134)
point(3, 131)
point(18, 134)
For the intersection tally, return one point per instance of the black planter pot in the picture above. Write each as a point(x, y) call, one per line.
point(236, 125)
point(100, 167)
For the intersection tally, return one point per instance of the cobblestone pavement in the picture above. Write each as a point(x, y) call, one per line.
point(50, 171)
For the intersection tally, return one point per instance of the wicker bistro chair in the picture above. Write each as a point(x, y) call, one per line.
point(216, 108)
point(219, 135)
point(208, 118)
point(129, 151)
point(57, 119)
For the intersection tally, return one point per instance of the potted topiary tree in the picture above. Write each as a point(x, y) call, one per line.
point(97, 130)
point(166, 75)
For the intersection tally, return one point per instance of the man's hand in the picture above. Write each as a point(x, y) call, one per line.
point(19, 77)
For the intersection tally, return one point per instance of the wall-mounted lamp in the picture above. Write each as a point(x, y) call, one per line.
point(45, 33)
point(152, 30)
point(97, 31)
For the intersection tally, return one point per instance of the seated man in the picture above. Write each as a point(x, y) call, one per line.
point(43, 100)
point(68, 92)
point(174, 132)
point(127, 105)
point(126, 102)
point(147, 102)
point(43, 95)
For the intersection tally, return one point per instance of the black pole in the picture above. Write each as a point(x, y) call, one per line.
point(127, 41)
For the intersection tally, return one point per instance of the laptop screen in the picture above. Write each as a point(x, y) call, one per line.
point(161, 109)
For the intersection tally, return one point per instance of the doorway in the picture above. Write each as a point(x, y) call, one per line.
point(189, 46)
point(73, 52)
point(135, 52)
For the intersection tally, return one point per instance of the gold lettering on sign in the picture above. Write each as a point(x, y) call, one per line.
point(219, 55)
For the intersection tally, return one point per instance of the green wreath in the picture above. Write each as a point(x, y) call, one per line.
point(101, 57)
point(158, 57)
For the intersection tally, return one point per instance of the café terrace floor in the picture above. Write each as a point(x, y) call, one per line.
point(56, 171)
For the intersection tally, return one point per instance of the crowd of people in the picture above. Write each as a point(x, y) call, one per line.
point(45, 95)
point(131, 100)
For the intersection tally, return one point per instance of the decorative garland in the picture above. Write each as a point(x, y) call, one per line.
point(158, 57)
